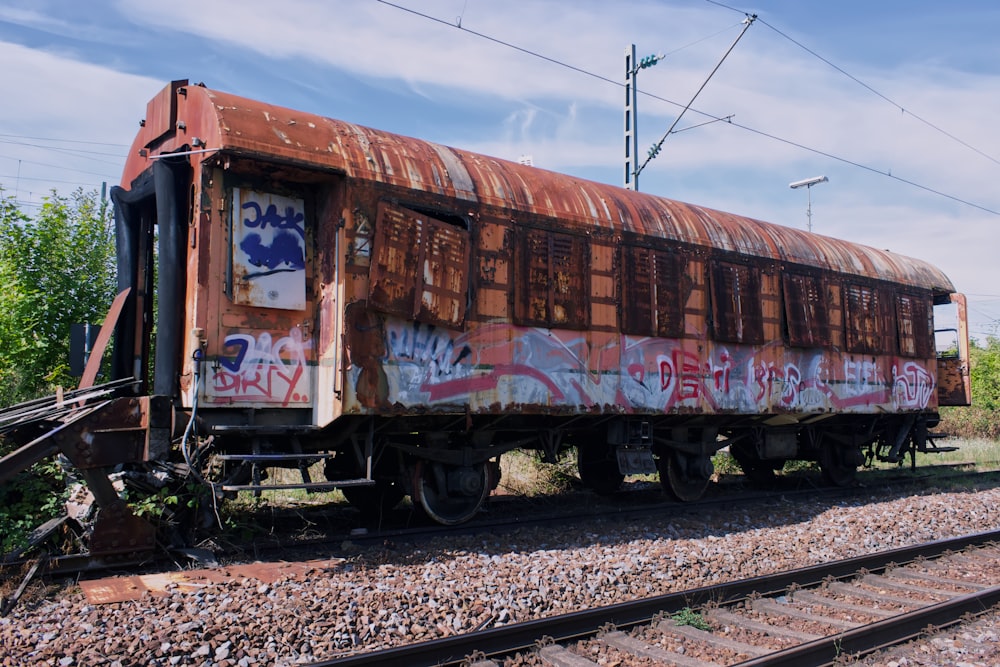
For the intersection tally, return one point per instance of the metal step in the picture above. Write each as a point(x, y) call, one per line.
point(309, 486)
point(261, 429)
point(265, 458)
point(931, 448)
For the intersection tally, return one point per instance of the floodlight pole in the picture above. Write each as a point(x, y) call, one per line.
point(809, 208)
point(808, 183)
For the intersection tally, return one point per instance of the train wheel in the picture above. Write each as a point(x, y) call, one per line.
point(451, 494)
point(597, 470)
point(683, 476)
point(838, 465)
point(374, 500)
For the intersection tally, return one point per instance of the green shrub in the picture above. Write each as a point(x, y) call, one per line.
point(28, 500)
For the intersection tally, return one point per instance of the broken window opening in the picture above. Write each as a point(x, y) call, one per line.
point(420, 266)
point(736, 303)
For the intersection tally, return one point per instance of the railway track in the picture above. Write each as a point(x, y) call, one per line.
point(844, 608)
point(508, 512)
point(517, 513)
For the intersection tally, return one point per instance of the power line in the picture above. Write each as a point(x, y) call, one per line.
point(69, 151)
point(867, 87)
point(619, 84)
point(65, 141)
point(44, 180)
point(495, 40)
point(57, 166)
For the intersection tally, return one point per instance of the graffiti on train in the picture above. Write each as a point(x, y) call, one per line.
point(506, 365)
point(258, 368)
point(269, 250)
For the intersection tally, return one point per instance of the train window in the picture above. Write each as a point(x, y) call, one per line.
point(807, 316)
point(914, 326)
point(419, 268)
point(552, 291)
point(869, 320)
point(268, 253)
point(653, 284)
point(736, 304)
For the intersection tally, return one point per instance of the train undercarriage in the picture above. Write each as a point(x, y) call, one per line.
point(448, 466)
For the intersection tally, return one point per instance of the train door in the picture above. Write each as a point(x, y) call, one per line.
point(951, 336)
point(265, 355)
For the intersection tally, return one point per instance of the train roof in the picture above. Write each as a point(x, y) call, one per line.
point(206, 122)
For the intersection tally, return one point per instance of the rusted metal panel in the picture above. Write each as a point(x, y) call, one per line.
point(420, 269)
point(117, 530)
point(954, 379)
point(445, 264)
point(392, 283)
point(554, 289)
point(161, 114)
point(121, 589)
point(736, 304)
point(870, 320)
point(493, 279)
point(914, 325)
point(808, 315)
point(116, 434)
point(241, 126)
point(656, 289)
point(951, 376)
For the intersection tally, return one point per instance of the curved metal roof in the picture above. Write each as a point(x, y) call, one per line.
point(224, 122)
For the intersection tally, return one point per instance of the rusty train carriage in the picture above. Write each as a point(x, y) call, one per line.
point(411, 311)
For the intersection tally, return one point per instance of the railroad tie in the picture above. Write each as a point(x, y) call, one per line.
point(769, 606)
point(809, 597)
point(711, 639)
point(630, 644)
point(932, 579)
point(559, 656)
point(880, 581)
point(735, 620)
point(874, 596)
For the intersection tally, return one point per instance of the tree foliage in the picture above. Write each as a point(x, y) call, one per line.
point(984, 369)
point(57, 268)
point(982, 418)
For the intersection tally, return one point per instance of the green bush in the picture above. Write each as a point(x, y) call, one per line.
point(982, 418)
point(57, 268)
point(29, 500)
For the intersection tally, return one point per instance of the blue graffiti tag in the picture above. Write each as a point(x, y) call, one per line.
point(291, 220)
point(285, 252)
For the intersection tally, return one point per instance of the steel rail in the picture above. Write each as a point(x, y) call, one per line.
point(881, 634)
point(518, 637)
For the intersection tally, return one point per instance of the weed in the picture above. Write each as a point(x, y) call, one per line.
point(688, 616)
point(725, 464)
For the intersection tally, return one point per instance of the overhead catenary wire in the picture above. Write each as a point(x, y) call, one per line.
point(580, 70)
point(656, 147)
point(867, 87)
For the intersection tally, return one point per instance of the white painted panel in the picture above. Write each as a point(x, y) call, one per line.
point(269, 250)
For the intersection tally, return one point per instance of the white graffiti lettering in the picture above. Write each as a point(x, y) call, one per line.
point(258, 369)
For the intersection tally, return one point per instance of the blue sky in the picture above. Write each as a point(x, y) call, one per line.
point(895, 102)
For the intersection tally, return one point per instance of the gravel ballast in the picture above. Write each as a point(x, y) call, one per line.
point(396, 594)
